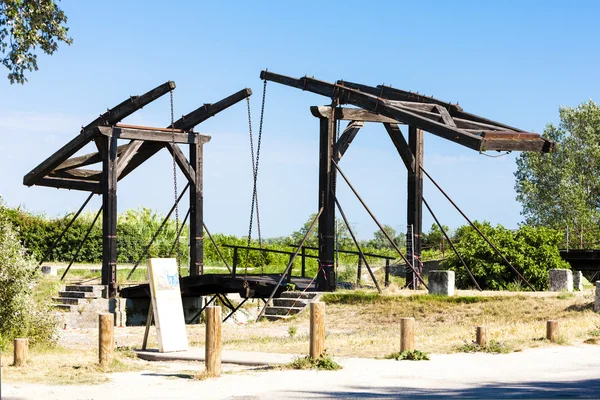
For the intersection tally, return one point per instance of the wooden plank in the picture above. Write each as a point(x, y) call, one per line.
point(87, 159)
point(540, 145)
point(349, 114)
point(445, 116)
point(72, 184)
point(83, 174)
point(43, 169)
point(148, 135)
point(346, 138)
point(203, 113)
point(109, 216)
point(467, 124)
point(401, 145)
point(150, 128)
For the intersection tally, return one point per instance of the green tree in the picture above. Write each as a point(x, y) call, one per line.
point(343, 235)
point(26, 25)
point(562, 189)
point(20, 314)
point(434, 238)
point(380, 241)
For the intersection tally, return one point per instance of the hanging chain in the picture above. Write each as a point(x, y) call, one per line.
point(175, 194)
point(255, 176)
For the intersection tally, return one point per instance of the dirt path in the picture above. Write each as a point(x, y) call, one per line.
point(557, 371)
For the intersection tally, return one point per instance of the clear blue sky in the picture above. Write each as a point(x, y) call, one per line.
point(513, 61)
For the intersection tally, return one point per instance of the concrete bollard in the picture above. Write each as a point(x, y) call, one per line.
point(577, 281)
point(552, 330)
point(597, 298)
point(441, 282)
point(560, 280)
point(481, 336)
point(213, 345)
point(407, 334)
point(106, 339)
point(21, 352)
point(317, 329)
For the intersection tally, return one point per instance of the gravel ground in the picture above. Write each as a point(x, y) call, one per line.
point(550, 372)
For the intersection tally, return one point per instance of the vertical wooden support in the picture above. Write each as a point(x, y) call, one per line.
point(109, 216)
point(326, 279)
point(21, 353)
point(407, 334)
point(213, 341)
point(317, 329)
point(552, 330)
point(106, 338)
point(481, 336)
point(235, 261)
point(387, 272)
point(196, 212)
point(415, 195)
point(359, 271)
point(303, 262)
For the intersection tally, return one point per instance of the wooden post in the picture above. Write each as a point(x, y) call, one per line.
point(326, 280)
point(106, 339)
point(415, 194)
point(407, 334)
point(552, 330)
point(21, 352)
point(303, 262)
point(213, 341)
point(317, 329)
point(387, 272)
point(109, 216)
point(196, 212)
point(481, 336)
point(235, 262)
point(359, 271)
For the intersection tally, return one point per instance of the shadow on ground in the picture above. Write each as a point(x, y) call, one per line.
point(528, 390)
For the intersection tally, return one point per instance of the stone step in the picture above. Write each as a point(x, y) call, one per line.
point(84, 288)
point(290, 302)
point(68, 300)
point(298, 295)
point(65, 307)
point(283, 310)
point(277, 317)
point(80, 295)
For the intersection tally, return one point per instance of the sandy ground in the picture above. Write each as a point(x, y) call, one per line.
point(550, 372)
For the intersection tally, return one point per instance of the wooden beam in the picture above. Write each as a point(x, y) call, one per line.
point(377, 105)
point(346, 138)
point(87, 159)
point(145, 151)
point(499, 144)
point(203, 113)
point(414, 204)
point(59, 157)
point(401, 145)
point(109, 216)
point(147, 135)
point(83, 174)
point(183, 163)
point(126, 157)
point(467, 124)
point(446, 117)
point(349, 114)
point(72, 184)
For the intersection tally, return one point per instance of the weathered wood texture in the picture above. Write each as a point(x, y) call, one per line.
point(21, 352)
point(196, 211)
point(552, 330)
point(148, 135)
point(317, 329)
point(407, 334)
point(349, 114)
point(213, 341)
point(346, 138)
point(481, 337)
point(72, 184)
point(414, 216)
point(109, 216)
point(106, 339)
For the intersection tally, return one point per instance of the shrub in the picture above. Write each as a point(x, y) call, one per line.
point(531, 250)
point(415, 355)
point(20, 314)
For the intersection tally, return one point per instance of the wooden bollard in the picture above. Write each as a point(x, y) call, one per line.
point(552, 330)
point(213, 341)
point(407, 334)
point(317, 329)
point(21, 352)
point(481, 336)
point(106, 339)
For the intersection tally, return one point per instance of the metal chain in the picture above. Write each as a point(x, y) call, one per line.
point(175, 194)
point(255, 177)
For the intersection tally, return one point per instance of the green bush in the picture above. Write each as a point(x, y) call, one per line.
point(531, 250)
point(20, 314)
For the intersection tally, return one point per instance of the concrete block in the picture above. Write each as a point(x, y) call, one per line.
point(597, 298)
point(560, 280)
point(49, 270)
point(441, 282)
point(577, 281)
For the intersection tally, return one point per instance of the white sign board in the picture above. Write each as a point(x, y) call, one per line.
point(167, 304)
